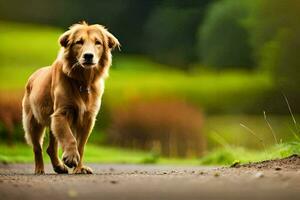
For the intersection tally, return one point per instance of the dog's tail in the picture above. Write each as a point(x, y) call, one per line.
point(26, 115)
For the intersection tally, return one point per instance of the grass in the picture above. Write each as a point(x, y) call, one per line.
point(215, 92)
point(24, 48)
point(230, 155)
point(22, 153)
point(222, 130)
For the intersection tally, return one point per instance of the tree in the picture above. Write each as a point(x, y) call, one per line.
point(275, 34)
point(170, 32)
point(223, 39)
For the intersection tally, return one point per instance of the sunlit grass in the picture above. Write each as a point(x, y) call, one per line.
point(22, 153)
point(24, 48)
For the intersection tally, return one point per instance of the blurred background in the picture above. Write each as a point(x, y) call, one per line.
point(193, 77)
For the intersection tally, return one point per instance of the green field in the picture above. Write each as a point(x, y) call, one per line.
point(227, 155)
point(23, 153)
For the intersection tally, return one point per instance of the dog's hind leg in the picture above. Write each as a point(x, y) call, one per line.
point(52, 151)
point(34, 133)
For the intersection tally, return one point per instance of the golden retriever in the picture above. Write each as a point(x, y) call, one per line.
point(66, 97)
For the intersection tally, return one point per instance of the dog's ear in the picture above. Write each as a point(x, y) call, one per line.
point(113, 42)
point(64, 38)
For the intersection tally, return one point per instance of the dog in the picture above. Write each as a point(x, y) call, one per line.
point(66, 97)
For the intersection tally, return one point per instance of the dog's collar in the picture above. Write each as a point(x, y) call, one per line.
point(84, 89)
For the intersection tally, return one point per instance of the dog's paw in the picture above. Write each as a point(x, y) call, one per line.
point(61, 169)
point(83, 170)
point(39, 171)
point(71, 158)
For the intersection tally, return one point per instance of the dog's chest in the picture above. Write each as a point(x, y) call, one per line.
point(90, 100)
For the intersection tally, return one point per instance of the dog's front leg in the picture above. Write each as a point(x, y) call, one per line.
point(60, 126)
point(82, 137)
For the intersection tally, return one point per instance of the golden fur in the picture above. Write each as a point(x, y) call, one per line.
point(66, 96)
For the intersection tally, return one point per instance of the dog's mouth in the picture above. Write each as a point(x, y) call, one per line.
point(88, 64)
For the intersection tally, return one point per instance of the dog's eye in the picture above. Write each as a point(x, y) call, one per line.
point(98, 42)
point(79, 42)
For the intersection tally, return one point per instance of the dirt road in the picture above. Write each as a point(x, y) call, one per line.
point(151, 182)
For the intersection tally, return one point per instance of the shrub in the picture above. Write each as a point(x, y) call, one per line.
point(10, 115)
point(170, 128)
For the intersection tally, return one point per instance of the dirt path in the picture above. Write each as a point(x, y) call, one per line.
point(152, 182)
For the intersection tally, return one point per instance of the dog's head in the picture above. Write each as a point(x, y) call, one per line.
point(87, 46)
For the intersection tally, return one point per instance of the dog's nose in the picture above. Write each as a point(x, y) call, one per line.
point(88, 56)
